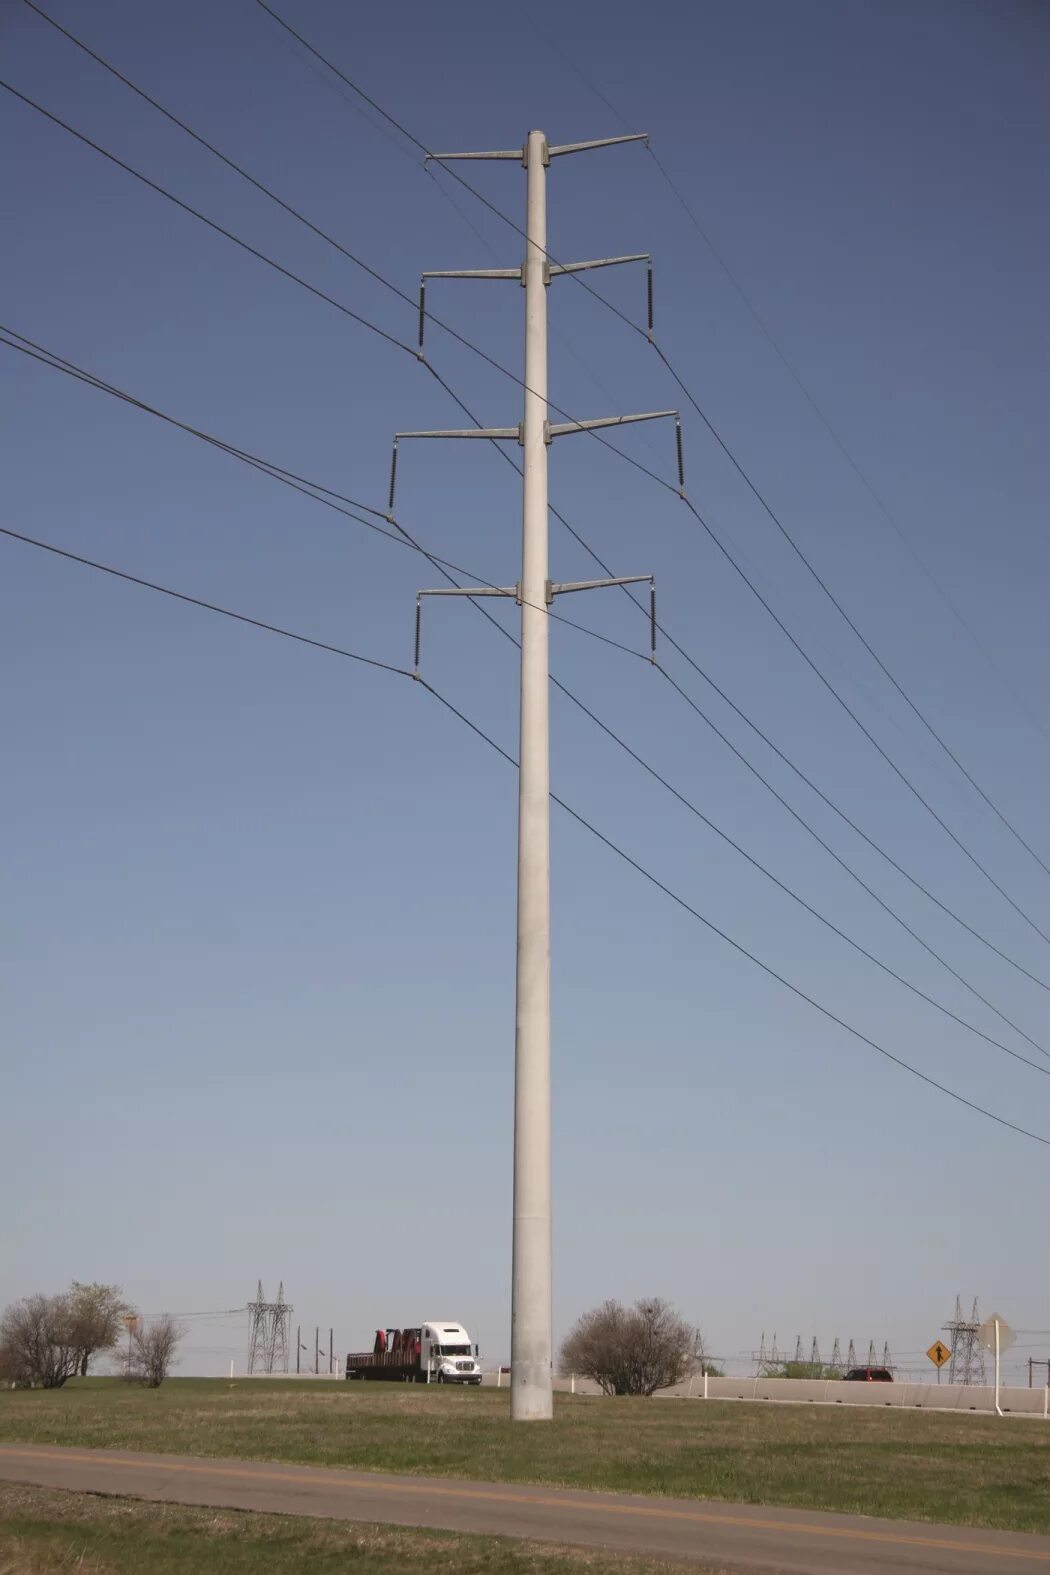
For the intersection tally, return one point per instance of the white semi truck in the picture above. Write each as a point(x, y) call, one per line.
point(436, 1352)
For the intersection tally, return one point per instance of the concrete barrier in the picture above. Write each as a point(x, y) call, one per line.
point(904, 1396)
point(818, 1391)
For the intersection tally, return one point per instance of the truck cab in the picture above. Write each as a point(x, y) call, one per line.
point(447, 1354)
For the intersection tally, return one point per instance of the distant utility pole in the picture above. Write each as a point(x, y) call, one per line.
point(531, 1340)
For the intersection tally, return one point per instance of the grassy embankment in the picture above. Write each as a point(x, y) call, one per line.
point(969, 1470)
point(45, 1532)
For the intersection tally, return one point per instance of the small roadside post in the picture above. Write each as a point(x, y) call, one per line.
point(132, 1323)
point(996, 1336)
point(938, 1354)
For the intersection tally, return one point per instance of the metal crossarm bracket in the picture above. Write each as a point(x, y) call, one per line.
point(601, 585)
point(552, 589)
point(471, 273)
point(550, 270)
point(548, 152)
point(562, 588)
point(464, 432)
point(555, 429)
point(551, 430)
point(598, 262)
point(458, 590)
point(509, 433)
point(600, 142)
point(444, 158)
point(560, 428)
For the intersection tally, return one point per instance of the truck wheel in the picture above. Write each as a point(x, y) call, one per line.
point(441, 1378)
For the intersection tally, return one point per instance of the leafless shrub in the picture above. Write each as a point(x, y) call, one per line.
point(37, 1344)
point(632, 1350)
point(153, 1347)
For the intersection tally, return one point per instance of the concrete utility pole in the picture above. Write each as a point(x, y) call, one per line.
point(531, 1335)
point(531, 1385)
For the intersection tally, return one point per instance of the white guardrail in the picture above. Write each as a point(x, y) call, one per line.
point(814, 1391)
point(922, 1397)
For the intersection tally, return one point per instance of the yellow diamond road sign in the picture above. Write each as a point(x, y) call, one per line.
point(938, 1353)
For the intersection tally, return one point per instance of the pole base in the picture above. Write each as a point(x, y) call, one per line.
point(530, 1401)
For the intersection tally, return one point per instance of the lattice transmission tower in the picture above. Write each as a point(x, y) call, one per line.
point(967, 1362)
point(268, 1333)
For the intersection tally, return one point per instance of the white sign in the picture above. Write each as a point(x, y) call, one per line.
point(986, 1333)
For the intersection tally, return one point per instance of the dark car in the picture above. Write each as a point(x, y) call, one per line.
point(869, 1375)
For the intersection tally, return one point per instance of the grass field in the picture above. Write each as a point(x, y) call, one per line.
point(44, 1532)
point(970, 1470)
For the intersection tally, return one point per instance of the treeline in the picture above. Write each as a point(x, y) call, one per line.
point(45, 1340)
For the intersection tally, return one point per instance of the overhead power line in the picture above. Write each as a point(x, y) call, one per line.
point(314, 490)
point(219, 229)
point(373, 273)
point(841, 862)
point(730, 841)
point(804, 559)
point(677, 646)
point(433, 157)
point(600, 563)
point(897, 770)
point(588, 825)
point(865, 481)
point(333, 500)
point(669, 787)
point(803, 387)
point(270, 262)
point(737, 946)
point(605, 728)
point(840, 609)
point(815, 913)
point(195, 601)
point(846, 819)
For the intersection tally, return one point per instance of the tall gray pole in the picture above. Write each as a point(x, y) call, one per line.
point(531, 1390)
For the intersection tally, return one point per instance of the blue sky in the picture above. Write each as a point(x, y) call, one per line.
point(260, 905)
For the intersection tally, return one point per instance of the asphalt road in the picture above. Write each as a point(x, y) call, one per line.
point(745, 1537)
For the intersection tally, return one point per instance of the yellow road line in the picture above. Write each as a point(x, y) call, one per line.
point(316, 1475)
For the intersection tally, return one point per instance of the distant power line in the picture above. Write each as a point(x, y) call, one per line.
point(576, 815)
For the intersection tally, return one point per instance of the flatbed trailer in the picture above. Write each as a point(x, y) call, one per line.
point(431, 1352)
point(388, 1366)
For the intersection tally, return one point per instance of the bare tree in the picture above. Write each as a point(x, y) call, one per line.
point(631, 1351)
point(37, 1344)
point(98, 1313)
point(153, 1347)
